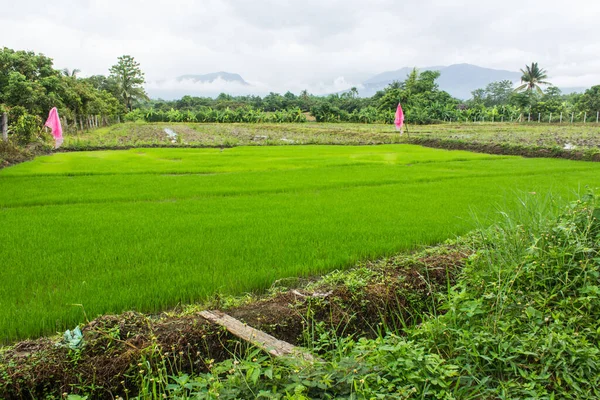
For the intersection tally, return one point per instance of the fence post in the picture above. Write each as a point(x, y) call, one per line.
point(572, 115)
point(529, 117)
point(5, 127)
point(597, 115)
point(539, 117)
point(550, 119)
point(561, 117)
point(585, 117)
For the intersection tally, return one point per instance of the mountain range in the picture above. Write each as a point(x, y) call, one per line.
point(458, 79)
point(212, 77)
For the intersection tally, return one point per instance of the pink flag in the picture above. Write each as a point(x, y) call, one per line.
point(53, 123)
point(399, 121)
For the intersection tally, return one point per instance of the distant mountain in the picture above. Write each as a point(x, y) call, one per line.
point(203, 85)
point(459, 79)
point(209, 78)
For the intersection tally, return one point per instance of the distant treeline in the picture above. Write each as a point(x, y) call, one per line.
point(421, 98)
point(30, 86)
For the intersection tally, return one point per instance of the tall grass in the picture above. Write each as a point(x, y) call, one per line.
point(148, 229)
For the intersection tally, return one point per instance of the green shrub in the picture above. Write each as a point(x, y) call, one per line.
point(26, 128)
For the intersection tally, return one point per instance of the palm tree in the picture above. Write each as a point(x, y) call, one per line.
point(532, 78)
point(70, 74)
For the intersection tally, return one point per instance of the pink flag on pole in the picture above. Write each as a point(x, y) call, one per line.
point(399, 121)
point(53, 122)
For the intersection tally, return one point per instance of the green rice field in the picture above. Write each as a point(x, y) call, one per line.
point(148, 229)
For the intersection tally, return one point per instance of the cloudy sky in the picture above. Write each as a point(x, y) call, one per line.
point(320, 45)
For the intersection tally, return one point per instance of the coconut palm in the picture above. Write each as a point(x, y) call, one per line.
point(70, 74)
point(533, 77)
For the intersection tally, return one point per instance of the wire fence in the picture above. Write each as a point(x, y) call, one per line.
point(549, 118)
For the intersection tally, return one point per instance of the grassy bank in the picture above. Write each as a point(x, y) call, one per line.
point(147, 229)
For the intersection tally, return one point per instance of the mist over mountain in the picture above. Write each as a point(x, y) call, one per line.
point(459, 79)
point(212, 77)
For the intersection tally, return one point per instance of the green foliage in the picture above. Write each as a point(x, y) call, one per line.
point(590, 101)
point(26, 128)
point(29, 80)
point(495, 94)
point(523, 320)
point(210, 115)
point(129, 79)
point(388, 367)
point(422, 101)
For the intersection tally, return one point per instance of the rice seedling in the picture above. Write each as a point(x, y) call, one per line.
point(147, 229)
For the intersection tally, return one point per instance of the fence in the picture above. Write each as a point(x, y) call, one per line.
point(74, 125)
point(556, 118)
point(82, 123)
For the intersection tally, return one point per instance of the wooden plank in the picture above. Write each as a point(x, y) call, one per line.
point(260, 339)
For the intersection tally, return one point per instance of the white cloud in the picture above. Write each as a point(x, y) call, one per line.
point(177, 88)
point(308, 44)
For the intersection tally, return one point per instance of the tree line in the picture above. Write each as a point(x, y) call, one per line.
point(30, 86)
point(420, 95)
